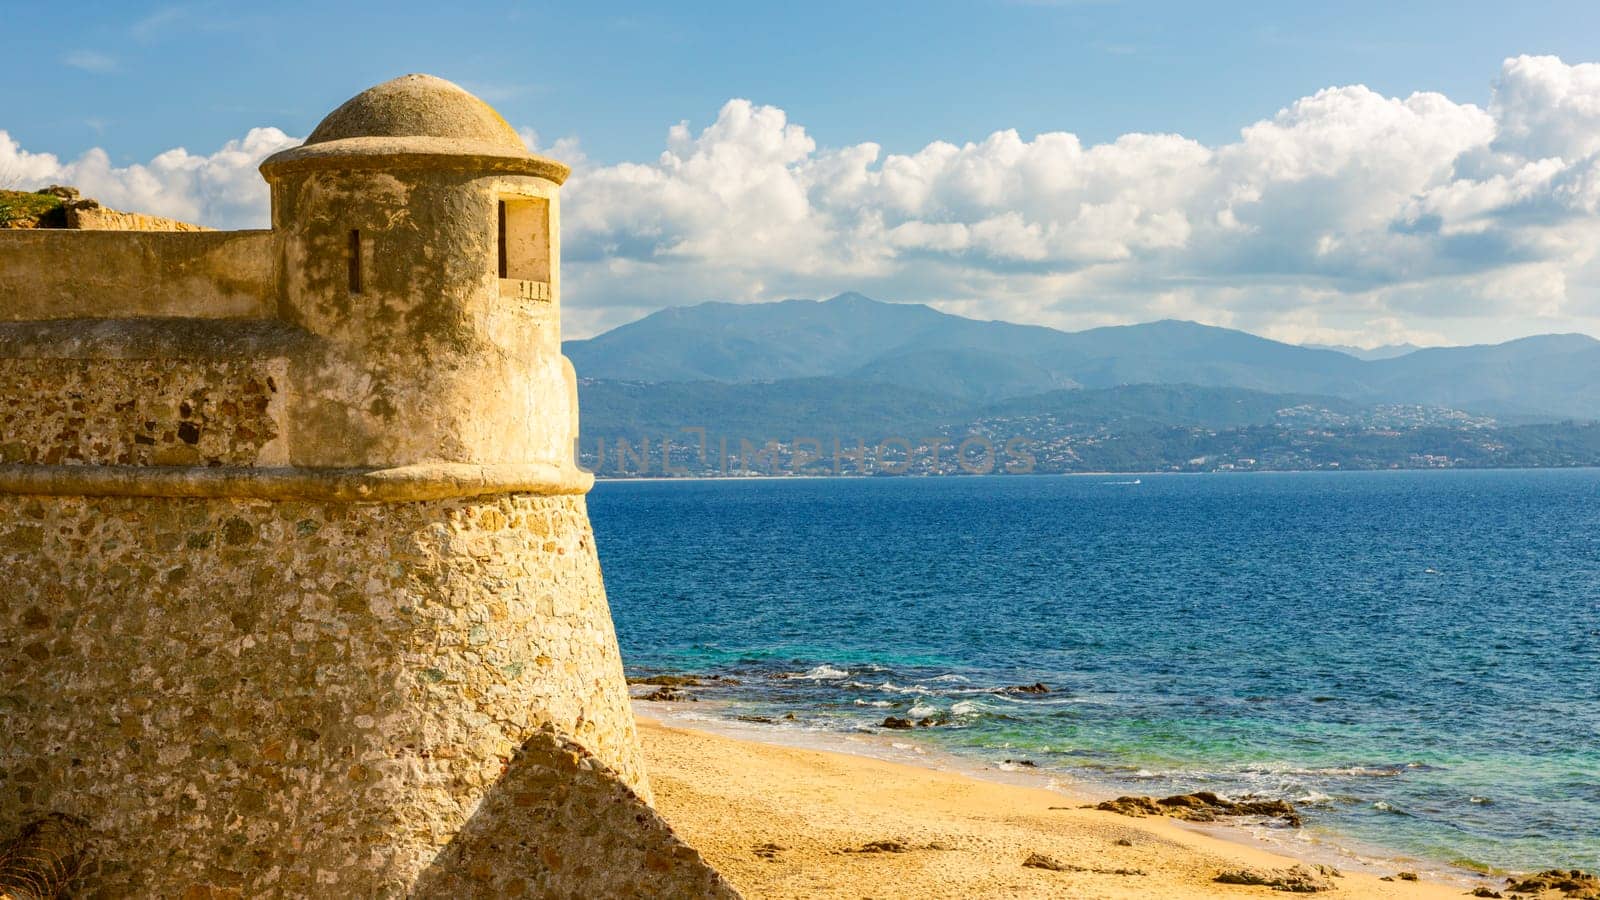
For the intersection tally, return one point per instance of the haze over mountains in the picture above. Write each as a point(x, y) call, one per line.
point(1387, 351)
point(864, 345)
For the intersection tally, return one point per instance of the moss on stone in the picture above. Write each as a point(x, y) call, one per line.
point(26, 209)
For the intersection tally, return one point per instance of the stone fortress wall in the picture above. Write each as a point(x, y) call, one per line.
point(302, 598)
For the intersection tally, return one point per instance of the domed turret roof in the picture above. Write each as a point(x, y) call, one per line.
point(417, 106)
point(415, 121)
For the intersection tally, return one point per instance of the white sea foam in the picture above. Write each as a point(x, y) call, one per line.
point(892, 688)
point(1021, 700)
point(922, 709)
point(824, 671)
point(1360, 771)
point(878, 703)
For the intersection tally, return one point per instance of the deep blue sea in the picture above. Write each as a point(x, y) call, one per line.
point(1412, 657)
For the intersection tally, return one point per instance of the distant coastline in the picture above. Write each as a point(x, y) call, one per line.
point(1133, 473)
point(855, 386)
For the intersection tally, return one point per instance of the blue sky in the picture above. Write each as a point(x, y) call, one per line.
point(786, 100)
point(154, 76)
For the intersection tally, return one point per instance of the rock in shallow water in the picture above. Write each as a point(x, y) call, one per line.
point(669, 695)
point(1576, 884)
point(668, 680)
point(686, 680)
point(1038, 687)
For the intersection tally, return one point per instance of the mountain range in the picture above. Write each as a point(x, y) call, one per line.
point(1387, 351)
point(861, 346)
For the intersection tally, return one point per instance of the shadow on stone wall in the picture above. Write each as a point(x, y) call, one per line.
point(559, 823)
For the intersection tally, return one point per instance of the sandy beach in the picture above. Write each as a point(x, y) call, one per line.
point(785, 822)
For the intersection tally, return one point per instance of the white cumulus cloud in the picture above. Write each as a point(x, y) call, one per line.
point(1347, 214)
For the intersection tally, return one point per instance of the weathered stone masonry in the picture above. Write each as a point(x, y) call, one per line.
point(299, 594)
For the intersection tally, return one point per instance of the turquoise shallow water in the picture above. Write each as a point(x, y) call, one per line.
point(1413, 657)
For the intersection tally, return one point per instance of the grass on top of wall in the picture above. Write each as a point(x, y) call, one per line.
point(26, 209)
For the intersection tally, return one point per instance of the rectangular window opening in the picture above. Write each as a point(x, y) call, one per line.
point(355, 261)
point(502, 239)
point(523, 236)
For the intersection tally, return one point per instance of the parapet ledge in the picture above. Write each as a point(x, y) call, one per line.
point(53, 273)
point(151, 338)
point(395, 153)
point(424, 481)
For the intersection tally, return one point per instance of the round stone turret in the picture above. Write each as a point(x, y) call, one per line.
point(421, 240)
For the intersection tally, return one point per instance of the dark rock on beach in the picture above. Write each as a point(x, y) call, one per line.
point(1295, 879)
point(891, 846)
point(1202, 806)
point(1041, 861)
point(896, 722)
point(881, 847)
